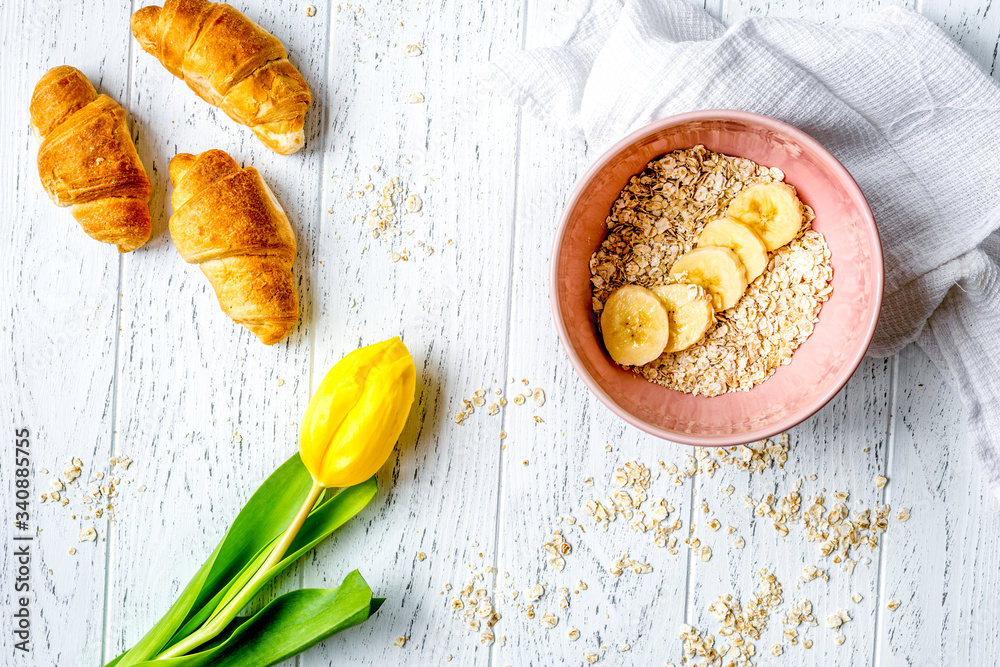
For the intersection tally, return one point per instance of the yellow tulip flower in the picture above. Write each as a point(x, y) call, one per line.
point(357, 413)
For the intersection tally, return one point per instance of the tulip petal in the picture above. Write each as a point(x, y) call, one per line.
point(357, 413)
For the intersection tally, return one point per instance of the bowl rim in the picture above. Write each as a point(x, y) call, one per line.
point(846, 370)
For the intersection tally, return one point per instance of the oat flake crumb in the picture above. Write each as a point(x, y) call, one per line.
point(538, 398)
point(837, 619)
point(412, 50)
point(534, 593)
point(400, 641)
point(894, 604)
point(310, 10)
point(591, 657)
point(415, 98)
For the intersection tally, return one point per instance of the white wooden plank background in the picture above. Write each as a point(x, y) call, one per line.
point(108, 355)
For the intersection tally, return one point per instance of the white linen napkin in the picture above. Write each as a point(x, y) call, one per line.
point(911, 116)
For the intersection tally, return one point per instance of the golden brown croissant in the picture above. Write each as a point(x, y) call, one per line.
point(87, 160)
point(231, 63)
point(228, 221)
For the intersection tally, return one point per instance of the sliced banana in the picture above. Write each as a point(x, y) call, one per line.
point(770, 209)
point(691, 314)
point(635, 326)
point(733, 234)
point(718, 270)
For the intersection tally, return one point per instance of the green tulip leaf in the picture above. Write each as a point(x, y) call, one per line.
point(325, 518)
point(287, 626)
point(259, 524)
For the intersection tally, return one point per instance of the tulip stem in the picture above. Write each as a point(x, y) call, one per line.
point(222, 617)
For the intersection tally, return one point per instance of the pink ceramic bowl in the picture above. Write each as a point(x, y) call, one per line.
point(819, 368)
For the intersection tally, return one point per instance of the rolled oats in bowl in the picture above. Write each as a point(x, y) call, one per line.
point(659, 217)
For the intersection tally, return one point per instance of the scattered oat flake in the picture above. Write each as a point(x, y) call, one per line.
point(573, 634)
point(534, 593)
point(88, 534)
point(310, 10)
point(904, 515)
point(415, 98)
point(591, 657)
point(538, 398)
point(739, 543)
point(894, 604)
point(549, 621)
point(401, 641)
point(412, 50)
point(421, 556)
point(72, 552)
point(837, 619)
point(414, 203)
point(880, 482)
point(856, 597)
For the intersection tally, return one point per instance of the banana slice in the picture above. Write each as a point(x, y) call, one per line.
point(635, 326)
point(770, 209)
point(691, 314)
point(718, 270)
point(733, 234)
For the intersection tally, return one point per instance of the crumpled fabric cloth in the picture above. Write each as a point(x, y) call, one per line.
point(912, 117)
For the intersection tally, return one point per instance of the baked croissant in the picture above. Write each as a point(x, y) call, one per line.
point(228, 221)
point(231, 63)
point(87, 160)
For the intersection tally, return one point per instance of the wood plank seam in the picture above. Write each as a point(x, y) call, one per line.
point(887, 472)
point(324, 111)
point(507, 340)
point(689, 588)
point(113, 444)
